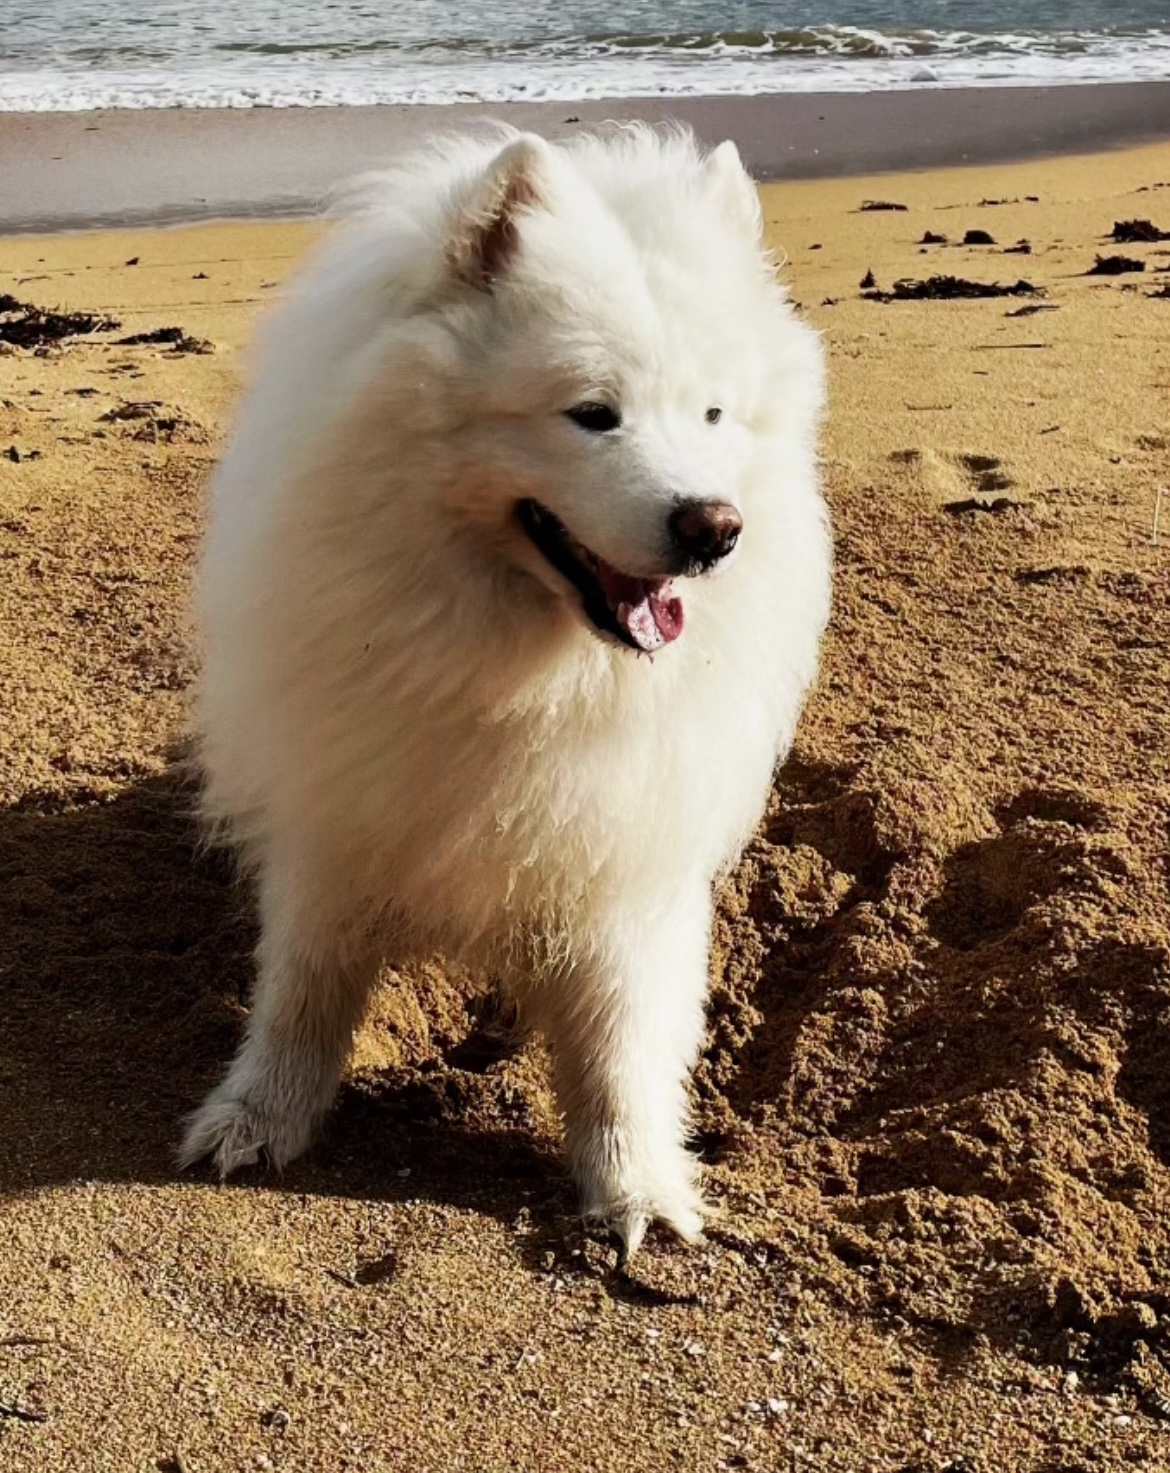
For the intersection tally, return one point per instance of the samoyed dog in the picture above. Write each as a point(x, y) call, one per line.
point(515, 578)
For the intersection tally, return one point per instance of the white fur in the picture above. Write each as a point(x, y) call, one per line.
point(407, 725)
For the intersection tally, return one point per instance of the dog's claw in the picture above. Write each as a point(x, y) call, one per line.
point(629, 1230)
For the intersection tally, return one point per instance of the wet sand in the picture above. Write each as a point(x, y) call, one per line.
point(73, 170)
point(934, 1098)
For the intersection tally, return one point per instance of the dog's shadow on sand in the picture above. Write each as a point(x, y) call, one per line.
point(125, 963)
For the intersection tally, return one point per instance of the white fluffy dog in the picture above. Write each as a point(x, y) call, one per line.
point(514, 585)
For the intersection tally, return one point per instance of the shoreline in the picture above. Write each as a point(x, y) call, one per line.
point(89, 170)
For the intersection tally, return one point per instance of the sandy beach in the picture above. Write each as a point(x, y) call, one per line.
point(934, 1103)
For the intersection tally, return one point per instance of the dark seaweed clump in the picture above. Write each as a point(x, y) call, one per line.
point(1137, 232)
point(950, 288)
point(180, 341)
point(25, 326)
point(1115, 266)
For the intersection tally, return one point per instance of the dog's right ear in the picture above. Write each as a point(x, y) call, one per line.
point(734, 188)
point(487, 237)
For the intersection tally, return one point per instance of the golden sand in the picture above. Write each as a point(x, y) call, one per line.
point(935, 1099)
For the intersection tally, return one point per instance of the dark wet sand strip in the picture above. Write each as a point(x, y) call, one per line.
point(77, 170)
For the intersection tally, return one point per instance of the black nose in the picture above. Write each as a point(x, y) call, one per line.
point(705, 531)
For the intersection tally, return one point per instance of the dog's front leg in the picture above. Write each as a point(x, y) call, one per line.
point(313, 976)
point(625, 1025)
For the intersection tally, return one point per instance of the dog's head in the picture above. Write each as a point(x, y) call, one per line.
point(623, 356)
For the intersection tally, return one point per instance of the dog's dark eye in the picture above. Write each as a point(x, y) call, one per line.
point(597, 418)
point(714, 414)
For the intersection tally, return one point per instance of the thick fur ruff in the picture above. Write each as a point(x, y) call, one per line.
point(407, 722)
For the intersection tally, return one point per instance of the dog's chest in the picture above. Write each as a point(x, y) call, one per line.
point(624, 791)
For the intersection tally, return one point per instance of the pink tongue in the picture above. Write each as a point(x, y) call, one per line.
point(645, 607)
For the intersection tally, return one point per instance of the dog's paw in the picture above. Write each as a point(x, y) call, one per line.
point(236, 1132)
point(669, 1198)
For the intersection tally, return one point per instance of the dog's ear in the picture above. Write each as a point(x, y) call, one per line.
point(487, 236)
point(734, 189)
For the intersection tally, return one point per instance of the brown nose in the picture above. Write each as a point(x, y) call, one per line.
point(705, 531)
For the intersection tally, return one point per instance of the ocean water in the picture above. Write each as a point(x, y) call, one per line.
point(71, 54)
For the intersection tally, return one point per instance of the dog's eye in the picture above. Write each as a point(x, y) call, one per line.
point(599, 419)
point(714, 414)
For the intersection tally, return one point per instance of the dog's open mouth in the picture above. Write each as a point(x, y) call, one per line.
point(641, 612)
